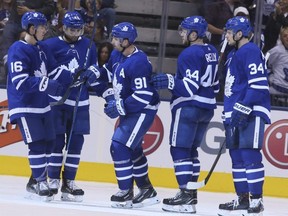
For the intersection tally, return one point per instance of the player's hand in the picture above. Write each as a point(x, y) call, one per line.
point(108, 95)
point(91, 75)
point(114, 108)
point(51, 87)
point(240, 114)
point(163, 81)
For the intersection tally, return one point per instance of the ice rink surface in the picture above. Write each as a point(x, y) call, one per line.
point(97, 202)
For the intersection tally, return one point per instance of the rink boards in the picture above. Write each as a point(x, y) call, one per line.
point(96, 163)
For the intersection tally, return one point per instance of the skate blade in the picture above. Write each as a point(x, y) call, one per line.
point(179, 208)
point(147, 202)
point(71, 198)
point(232, 213)
point(253, 214)
point(124, 205)
point(36, 197)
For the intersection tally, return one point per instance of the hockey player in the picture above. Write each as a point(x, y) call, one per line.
point(70, 50)
point(192, 105)
point(247, 110)
point(136, 102)
point(27, 89)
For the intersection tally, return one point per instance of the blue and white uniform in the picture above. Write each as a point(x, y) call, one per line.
point(192, 106)
point(246, 81)
point(131, 76)
point(247, 110)
point(71, 57)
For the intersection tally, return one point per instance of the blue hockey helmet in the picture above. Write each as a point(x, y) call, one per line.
point(33, 18)
point(125, 30)
point(72, 19)
point(195, 23)
point(239, 23)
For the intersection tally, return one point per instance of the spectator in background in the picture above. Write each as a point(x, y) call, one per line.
point(278, 65)
point(87, 12)
point(107, 13)
point(13, 27)
point(5, 7)
point(277, 19)
point(104, 52)
point(217, 13)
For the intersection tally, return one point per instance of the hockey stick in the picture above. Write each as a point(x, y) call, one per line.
point(225, 42)
point(197, 185)
point(75, 81)
point(72, 125)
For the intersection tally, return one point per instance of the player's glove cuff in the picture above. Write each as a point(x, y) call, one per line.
point(242, 108)
point(171, 82)
point(120, 107)
point(108, 94)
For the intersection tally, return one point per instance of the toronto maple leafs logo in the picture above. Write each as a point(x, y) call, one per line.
point(229, 83)
point(73, 64)
point(242, 19)
point(117, 88)
point(196, 20)
point(125, 28)
point(42, 70)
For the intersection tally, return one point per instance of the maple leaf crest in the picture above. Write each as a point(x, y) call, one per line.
point(73, 64)
point(42, 71)
point(117, 88)
point(228, 84)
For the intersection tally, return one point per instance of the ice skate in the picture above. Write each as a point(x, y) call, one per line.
point(238, 206)
point(122, 199)
point(54, 185)
point(184, 202)
point(38, 190)
point(71, 192)
point(146, 196)
point(256, 207)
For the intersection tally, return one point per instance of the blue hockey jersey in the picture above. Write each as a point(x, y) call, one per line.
point(131, 77)
point(72, 57)
point(27, 64)
point(196, 78)
point(246, 81)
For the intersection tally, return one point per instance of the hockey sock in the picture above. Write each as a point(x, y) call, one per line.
point(254, 170)
point(56, 158)
point(196, 164)
point(140, 168)
point(183, 166)
point(123, 165)
point(73, 156)
point(238, 172)
point(37, 160)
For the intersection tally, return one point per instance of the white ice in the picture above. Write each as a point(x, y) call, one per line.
point(97, 202)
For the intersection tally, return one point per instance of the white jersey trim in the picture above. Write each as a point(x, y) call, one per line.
point(29, 110)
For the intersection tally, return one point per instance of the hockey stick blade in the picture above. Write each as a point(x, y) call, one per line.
point(197, 185)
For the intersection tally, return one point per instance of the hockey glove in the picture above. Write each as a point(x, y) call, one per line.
point(163, 81)
point(108, 95)
point(240, 114)
point(91, 75)
point(114, 108)
point(51, 87)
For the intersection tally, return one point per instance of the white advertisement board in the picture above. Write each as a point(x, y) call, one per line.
point(156, 143)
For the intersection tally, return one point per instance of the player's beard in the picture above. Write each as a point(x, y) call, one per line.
point(70, 39)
